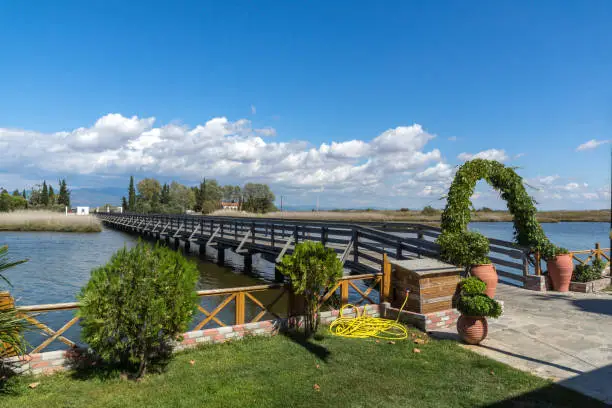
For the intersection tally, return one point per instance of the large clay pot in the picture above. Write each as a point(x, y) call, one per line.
point(488, 275)
point(560, 270)
point(472, 329)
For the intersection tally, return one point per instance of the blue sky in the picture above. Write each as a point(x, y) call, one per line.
point(95, 91)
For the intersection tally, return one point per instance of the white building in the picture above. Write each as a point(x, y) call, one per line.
point(82, 210)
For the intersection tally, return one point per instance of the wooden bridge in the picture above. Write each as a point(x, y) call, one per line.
point(360, 246)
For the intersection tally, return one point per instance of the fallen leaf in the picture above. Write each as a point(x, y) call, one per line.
point(377, 341)
point(192, 362)
point(391, 342)
point(318, 366)
point(419, 341)
point(316, 387)
point(33, 385)
point(416, 350)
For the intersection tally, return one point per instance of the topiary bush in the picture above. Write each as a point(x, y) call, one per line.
point(313, 270)
point(464, 249)
point(456, 216)
point(588, 273)
point(473, 302)
point(135, 307)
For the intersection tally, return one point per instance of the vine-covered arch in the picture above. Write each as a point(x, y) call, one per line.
point(527, 230)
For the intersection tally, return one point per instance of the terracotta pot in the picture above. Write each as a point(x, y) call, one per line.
point(488, 275)
point(560, 270)
point(472, 329)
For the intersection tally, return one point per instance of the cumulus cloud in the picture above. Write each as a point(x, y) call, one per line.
point(591, 144)
point(491, 154)
point(118, 145)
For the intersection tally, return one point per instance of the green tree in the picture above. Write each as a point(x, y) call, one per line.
point(16, 193)
point(51, 195)
point(124, 203)
point(313, 270)
point(131, 195)
point(149, 189)
point(64, 194)
point(181, 196)
point(258, 198)
point(164, 198)
point(44, 195)
point(134, 307)
point(24, 194)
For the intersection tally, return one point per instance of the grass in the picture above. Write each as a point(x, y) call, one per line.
point(418, 216)
point(48, 221)
point(285, 372)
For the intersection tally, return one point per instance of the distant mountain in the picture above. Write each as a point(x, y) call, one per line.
point(94, 197)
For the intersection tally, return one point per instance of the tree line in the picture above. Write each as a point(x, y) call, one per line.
point(150, 196)
point(41, 196)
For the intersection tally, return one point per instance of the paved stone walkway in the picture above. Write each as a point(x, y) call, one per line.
point(566, 337)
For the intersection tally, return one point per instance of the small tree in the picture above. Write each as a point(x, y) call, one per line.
point(44, 199)
point(131, 195)
point(313, 270)
point(136, 305)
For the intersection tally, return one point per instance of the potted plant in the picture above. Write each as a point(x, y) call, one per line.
point(560, 266)
point(469, 249)
point(475, 306)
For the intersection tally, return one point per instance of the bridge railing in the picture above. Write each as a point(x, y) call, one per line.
point(367, 241)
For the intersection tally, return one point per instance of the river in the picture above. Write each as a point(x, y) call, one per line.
point(60, 263)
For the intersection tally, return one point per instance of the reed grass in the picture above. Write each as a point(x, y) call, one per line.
point(48, 221)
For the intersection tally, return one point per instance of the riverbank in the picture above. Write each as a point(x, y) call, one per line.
point(48, 221)
point(419, 216)
point(327, 371)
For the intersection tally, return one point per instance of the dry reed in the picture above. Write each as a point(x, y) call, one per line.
point(48, 221)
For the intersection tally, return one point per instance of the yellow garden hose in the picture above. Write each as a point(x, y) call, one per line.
point(362, 326)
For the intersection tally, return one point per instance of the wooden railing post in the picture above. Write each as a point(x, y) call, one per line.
point(272, 235)
point(324, 235)
point(385, 284)
point(525, 264)
point(538, 267)
point(597, 251)
point(240, 308)
point(356, 246)
point(344, 288)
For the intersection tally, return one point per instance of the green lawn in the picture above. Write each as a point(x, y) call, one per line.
point(282, 372)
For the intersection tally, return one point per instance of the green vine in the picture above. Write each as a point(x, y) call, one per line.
point(456, 216)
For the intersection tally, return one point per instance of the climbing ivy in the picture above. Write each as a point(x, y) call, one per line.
point(527, 230)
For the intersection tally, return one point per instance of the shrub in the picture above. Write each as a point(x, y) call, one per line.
point(549, 251)
point(134, 307)
point(429, 211)
point(473, 301)
point(11, 324)
point(313, 270)
point(464, 248)
point(588, 273)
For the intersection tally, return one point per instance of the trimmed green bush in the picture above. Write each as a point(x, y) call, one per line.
point(313, 270)
point(588, 273)
point(473, 301)
point(135, 307)
point(464, 249)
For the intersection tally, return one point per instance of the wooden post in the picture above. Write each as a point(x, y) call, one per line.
point(398, 251)
point(240, 308)
point(385, 284)
point(597, 251)
point(235, 231)
point(538, 267)
point(324, 235)
point(355, 246)
point(296, 234)
point(344, 287)
point(272, 235)
point(253, 233)
point(525, 264)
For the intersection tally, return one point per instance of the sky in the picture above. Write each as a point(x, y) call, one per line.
point(354, 104)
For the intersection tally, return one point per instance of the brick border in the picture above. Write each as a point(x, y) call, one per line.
point(423, 321)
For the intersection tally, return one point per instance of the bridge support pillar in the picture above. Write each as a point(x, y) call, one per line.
point(220, 255)
point(177, 243)
point(202, 249)
point(187, 246)
point(167, 240)
point(248, 263)
point(278, 276)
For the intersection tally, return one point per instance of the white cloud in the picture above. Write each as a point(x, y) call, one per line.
point(491, 154)
point(519, 155)
point(439, 172)
point(118, 145)
point(591, 144)
point(548, 180)
point(453, 138)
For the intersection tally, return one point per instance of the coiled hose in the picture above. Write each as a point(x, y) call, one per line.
point(362, 326)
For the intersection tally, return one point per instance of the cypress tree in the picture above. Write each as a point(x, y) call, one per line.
point(131, 195)
point(124, 203)
point(64, 194)
point(44, 197)
point(165, 194)
point(24, 194)
point(51, 195)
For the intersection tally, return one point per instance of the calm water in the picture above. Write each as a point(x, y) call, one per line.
point(60, 264)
